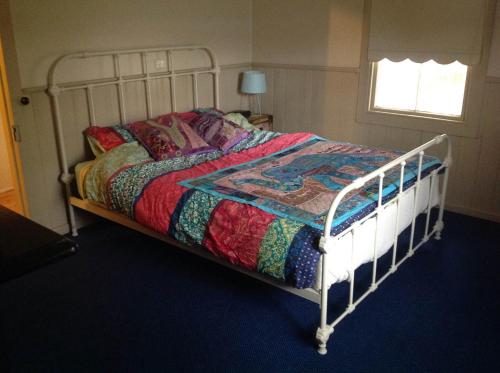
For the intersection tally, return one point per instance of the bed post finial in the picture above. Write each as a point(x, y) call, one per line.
point(65, 177)
point(447, 164)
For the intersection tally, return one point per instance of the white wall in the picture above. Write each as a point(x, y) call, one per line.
point(303, 32)
point(45, 29)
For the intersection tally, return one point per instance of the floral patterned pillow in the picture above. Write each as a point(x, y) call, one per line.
point(167, 137)
point(103, 139)
point(218, 131)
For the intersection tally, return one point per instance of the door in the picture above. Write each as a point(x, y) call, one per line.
point(11, 180)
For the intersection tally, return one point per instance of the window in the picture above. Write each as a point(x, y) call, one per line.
point(424, 89)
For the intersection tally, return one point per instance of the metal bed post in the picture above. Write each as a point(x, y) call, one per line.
point(328, 243)
point(380, 207)
point(398, 207)
point(66, 178)
point(439, 226)
point(147, 85)
point(415, 201)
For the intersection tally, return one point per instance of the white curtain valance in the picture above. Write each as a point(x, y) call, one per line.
point(421, 30)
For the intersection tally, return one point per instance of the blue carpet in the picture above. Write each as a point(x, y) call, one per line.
point(128, 303)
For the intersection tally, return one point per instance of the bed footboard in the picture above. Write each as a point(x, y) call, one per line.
point(328, 242)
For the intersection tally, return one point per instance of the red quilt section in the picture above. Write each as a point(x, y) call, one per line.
point(235, 231)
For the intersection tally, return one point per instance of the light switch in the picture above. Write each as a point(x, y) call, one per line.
point(160, 64)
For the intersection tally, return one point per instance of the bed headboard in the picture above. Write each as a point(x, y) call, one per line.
point(136, 76)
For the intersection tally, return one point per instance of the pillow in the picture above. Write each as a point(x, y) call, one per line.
point(240, 120)
point(186, 117)
point(103, 139)
point(218, 132)
point(167, 137)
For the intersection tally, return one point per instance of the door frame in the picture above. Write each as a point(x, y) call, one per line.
point(13, 153)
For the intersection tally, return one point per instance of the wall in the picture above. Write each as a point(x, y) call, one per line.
point(318, 33)
point(43, 30)
point(314, 87)
point(494, 61)
point(223, 25)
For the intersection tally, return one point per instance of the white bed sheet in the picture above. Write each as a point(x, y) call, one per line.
point(339, 261)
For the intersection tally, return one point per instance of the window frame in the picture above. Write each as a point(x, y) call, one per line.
point(415, 113)
point(468, 126)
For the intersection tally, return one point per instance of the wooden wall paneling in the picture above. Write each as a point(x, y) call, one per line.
point(487, 180)
point(377, 135)
point(230, 97)
point(205, 90)
point(279, 100)
point(297, 98)
point(107, 111)
point(454, 195)
point(347, 98)
point(267, 99)
point(318, 100)
point(135, 100)
point(308, 96)
point(75, 119)
point(331, 105)
point(160, 97)
point(34, 175)
point(402, 139)
point(183, 93)
point(327, 104)
point(53, 204)
point(467, 167)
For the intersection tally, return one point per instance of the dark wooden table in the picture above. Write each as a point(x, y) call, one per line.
point(26, 245)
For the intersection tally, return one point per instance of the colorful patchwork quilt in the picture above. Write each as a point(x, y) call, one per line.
point(262, 206)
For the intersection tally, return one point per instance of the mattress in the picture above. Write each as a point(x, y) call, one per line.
point(361, 251)
point(267, 219)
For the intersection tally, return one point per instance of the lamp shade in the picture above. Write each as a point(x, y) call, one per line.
point(253, 82)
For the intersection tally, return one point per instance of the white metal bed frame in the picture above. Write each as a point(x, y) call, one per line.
point(327, 242)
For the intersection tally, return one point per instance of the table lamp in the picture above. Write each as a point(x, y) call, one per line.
point(254, 83)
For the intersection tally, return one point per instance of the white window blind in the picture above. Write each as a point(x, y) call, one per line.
point(439, 30)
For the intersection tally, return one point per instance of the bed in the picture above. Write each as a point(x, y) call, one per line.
point(297, 211)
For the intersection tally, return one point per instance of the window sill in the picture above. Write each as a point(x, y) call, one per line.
point(416, 114)
point(461, 128)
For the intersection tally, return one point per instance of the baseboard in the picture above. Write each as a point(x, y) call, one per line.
point(474, 212)
point(80, 223)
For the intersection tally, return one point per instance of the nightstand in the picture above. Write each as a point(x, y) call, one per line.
point(262, 121)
